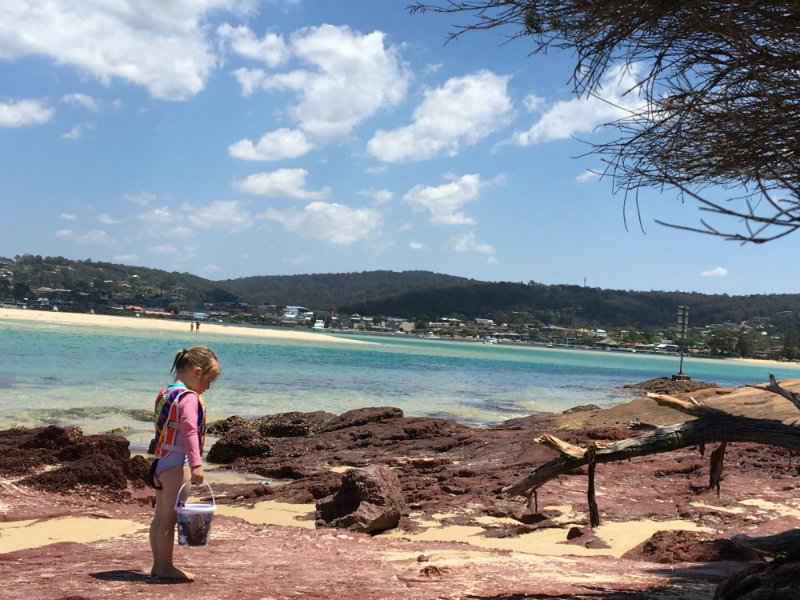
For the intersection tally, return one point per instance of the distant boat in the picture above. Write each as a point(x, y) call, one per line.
point(319, 325)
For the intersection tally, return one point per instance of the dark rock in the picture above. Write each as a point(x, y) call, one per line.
point(293, 424)
point(779, 580)
point(370, 500)
point(665, 385)
point(241, 441)
point(363, 416)
point(581, 408)
point(220, 428)
point(688, 546)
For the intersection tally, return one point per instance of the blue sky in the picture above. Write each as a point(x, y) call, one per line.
point(230, 138)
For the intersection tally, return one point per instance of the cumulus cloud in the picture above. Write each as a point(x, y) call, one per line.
point(164, 249)
point(347, 77)
point(68, 216)
point(588, 175)
point(271, 49)
point(125, 258)
point(93, 237)
point(140, 198)
point(161, 221)
point(74, 133)
point(466, 242)
point(274, 145)
point(334, 223)
point(581, 115)
point(210, 269)
point(161, 46)
point(24, 112)
point(106, 219)
point(461, 112)
point(80, 100)
point(378, 196)
point(715, 272)
point(444, 202)
point(416, 245)
point(228, 215)
point(285, 183)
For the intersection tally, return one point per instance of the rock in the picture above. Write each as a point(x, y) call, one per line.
point(239, 442)
point(293, 424)
point(665, 385)
point(220, 428)
point(362, 416)
point(779, 580)
point(689, 546)
point(370, 500)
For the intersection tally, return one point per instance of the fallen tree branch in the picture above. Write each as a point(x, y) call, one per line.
point(712, 426)
point(792, 397)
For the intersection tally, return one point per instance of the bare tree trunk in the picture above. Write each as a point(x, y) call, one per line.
point(711, 425)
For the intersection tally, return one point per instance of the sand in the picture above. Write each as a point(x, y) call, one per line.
point(130, 322)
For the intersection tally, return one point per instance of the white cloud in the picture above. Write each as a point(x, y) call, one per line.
point(227, 215)
point(80, 100)
point(164, 249)
point(159, 45)
point(68, 216)
point(334, 223)
point(210, 269)
point(161, 221)
point(125, 258)
point(274, 145)
point(465, 242)
point(73, 134)
point(349, 77)
point(417, 245)
point(24, 112)
point(588, 175)
point(461, 112)
point(582, 115)
point(715, 272)
point(271, 49)
point(93, 237)
point(378, 196)
point(141, 198)
point(445, 201)
point(285, 183)
point(106, 219)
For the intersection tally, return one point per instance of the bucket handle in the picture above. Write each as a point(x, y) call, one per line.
point(205, 483)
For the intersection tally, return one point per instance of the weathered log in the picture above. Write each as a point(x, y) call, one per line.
point(711, 426)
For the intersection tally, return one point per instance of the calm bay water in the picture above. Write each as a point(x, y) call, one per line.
point(101, 379)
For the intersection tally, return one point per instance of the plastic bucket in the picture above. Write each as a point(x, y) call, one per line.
point(194, 519)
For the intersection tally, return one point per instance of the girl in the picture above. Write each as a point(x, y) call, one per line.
point(180, 433)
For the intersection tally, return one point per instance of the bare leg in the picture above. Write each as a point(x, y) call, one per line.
point(162, 529)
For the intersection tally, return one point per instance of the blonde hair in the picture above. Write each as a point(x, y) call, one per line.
point(196, 356)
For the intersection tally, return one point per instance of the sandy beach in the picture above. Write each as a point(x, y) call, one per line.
point(131, 322)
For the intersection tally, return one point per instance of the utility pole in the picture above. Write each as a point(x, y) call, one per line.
point(683, 328)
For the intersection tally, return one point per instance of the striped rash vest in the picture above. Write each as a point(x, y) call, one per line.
point(167, 419)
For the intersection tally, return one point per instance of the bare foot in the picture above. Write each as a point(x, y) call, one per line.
point(173, 574)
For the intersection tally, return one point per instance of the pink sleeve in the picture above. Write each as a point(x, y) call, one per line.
point(188, 410)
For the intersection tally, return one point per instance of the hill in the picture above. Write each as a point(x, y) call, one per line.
point(406, 294)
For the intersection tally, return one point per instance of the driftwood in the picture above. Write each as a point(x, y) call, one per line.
point(710, 426)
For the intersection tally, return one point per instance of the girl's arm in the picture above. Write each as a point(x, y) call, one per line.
point(188, 413)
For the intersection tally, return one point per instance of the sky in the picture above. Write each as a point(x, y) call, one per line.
point(234, 138)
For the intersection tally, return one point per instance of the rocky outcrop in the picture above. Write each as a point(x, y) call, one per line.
point(670, 547)
point(779, 580)
point(370, 500)
point(240, 441)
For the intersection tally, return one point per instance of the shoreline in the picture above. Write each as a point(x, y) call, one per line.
point(130, 322)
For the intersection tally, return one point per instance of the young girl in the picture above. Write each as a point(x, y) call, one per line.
point(180, 432)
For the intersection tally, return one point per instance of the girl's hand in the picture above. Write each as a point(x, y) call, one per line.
point(197, 475)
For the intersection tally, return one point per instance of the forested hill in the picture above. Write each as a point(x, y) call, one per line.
point(410, 294)
point(407, 294)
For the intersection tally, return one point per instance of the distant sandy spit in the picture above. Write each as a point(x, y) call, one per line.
point(131, 322)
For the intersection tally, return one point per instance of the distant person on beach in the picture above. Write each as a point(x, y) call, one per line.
point(197, 326)
point(180, 421)
point(191, 326)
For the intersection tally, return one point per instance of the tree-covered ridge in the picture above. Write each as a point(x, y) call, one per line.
point(409, 294)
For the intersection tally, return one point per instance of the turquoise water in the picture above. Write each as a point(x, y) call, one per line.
point(101, 379)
